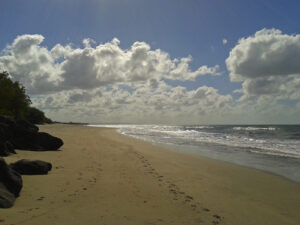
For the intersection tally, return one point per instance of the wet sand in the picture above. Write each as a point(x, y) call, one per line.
point(102, 177)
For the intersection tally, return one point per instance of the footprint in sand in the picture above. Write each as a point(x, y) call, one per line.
point(217, 216)
point(173, 191)
point(41, 198)
point(217, 219)
point(188, 198)
point(193, 206)
point(59, 167)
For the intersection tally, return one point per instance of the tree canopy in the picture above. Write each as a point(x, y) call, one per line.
point(15, 103)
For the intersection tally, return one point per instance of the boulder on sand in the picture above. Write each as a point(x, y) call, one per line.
point(6, 132)
point(10, 185)
point(10, 178)
point(31, 167)
point(46, 141)
point(7, 199)
point(37, 142)
point(25, 136)
point(6, 148)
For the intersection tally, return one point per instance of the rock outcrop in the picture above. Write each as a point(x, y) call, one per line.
point(6, 148)
point(7, 199)
point(45, 141)
point(10, 185)
point(25, 136)
point(31, 167)
point(21, 135)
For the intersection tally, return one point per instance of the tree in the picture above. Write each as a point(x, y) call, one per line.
point(13, 100)
point(36, 116)
point(16, 104)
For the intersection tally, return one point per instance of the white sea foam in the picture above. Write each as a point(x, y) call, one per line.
point(198, 127)
point(195, 135)
point(254, 128)
point(271, 148)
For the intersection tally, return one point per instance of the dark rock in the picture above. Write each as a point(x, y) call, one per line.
point(6, 131)
point(7, 199)
point(25, 136)
point(11, 179)
point(45, 141)
point(10, 185)
point(31, 167)
point(10, 147)
point(7, 120)
point(26, 125)
point(6, 148)
point(24, 142)
point(3, 149)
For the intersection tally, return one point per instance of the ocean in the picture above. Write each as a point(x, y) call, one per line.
point(271, 148)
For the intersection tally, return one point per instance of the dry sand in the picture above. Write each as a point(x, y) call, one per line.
point(102, 177)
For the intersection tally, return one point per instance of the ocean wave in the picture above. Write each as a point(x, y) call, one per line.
point(266, 148)
point(185, 135)
point(255, 128)
point(276, 152)
point(199, 127)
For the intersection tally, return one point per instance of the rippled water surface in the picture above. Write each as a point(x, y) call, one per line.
point(273, 148)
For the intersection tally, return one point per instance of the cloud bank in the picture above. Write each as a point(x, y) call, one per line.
point(105, 83)
point(266, 63)
point(65, 68)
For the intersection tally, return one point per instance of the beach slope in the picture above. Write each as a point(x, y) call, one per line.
point(103, 177)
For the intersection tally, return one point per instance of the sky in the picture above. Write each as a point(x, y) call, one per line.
point(164, 62)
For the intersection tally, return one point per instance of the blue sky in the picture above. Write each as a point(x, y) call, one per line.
point(179, 28)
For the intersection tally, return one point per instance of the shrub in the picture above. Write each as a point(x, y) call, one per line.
point(13, 100)
point(16, 104)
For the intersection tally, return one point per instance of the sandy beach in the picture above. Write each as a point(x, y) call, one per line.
point(103, 177)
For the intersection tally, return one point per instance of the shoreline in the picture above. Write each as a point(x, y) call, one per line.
point(285, 167)
point(121, 180)
point(165, 146)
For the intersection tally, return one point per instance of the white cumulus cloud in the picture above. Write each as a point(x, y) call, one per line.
point(265, 63)
point(141, 103)
point(44, 70)
point(107, 83)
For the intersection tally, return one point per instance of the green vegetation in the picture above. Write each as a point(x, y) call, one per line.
point(13, 100)
point(36, 116)
point(15, 103)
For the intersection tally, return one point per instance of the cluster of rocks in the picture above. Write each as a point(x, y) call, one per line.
point(11, 179)
point(21, 135)
point(24, 135)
